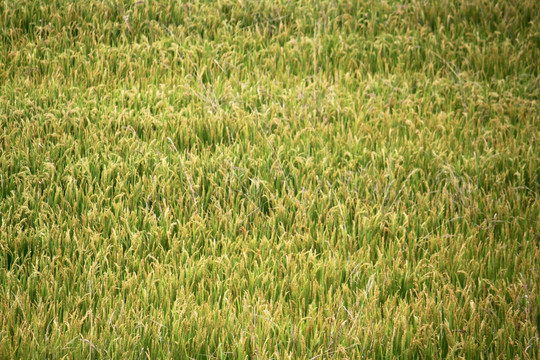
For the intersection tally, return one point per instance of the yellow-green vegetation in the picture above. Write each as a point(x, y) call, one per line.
point(269, 179)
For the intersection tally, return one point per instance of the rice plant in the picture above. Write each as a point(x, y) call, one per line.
point(256, 179)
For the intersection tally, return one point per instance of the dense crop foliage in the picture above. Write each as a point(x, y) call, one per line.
point(269, 179)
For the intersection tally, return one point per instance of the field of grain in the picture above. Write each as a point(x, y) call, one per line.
point(269, 179)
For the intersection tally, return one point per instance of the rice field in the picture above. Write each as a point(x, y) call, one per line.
point(241, 179)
